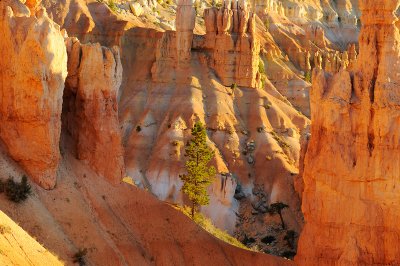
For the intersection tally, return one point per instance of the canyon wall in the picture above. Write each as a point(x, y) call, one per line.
point(32, 78)
point(351, 198)
point(32, 74)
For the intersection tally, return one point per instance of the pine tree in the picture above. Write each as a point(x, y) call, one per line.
point(199, 173)
point(277, 207)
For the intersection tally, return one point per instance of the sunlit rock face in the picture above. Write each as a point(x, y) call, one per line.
point(351, 199)
point(91, 108)
point(33, 69)
point(231, 37)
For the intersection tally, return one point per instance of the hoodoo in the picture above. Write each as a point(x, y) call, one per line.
point(351, 199)
point(31, 88)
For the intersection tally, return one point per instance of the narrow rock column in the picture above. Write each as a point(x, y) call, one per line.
point(91, 107)
point(185, 23)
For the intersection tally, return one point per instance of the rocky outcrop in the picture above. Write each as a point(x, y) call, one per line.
point(32, 73)
point(231, 37)
point(91, 107)
point(351, 199)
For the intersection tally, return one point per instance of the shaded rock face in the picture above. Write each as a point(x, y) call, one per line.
point(230, 35)
point(91, 108)
point(351, 198)
point(32, 73)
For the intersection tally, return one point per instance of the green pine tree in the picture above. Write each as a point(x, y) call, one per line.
point(199, 173)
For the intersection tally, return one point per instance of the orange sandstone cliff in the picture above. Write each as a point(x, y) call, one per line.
point(351, 197)
point(32, 74)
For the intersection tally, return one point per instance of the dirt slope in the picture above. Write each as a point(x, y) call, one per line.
point(18, 248)
point(119, 225)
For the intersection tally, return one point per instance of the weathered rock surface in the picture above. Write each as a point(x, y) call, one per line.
point(91, 107)
point(32, 74)
point(174, 49)
point(351, 199)
point(231, 37)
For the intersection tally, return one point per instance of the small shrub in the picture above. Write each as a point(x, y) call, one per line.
point(4, 229)
point(290, 238)
point(111, 4)
point(261, 66)
point(268, 240)
point(17, 192)
point(288, 254)
point(280, 140)
point(175, 143)
point(234, 86)
point(267, 24)
point(79, 257)
point(263, 81)
point(308, 77)
point(138, 128)
point(248, 240)
point(216, 3)
point(260, 129)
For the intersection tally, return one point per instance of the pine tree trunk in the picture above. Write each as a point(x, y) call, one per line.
point(283, 224)
point(192, 210)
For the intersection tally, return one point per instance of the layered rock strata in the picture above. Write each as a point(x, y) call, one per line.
point(351, 199)
point(32, 73)
point(91, 107)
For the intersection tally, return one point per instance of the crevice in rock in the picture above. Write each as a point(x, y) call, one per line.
point(372, 84)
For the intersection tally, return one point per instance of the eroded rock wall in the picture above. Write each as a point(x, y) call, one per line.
point(91, 107)
point(351, 199)
point(32, 73)
point(231, 37)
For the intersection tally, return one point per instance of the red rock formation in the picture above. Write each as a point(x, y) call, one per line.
point(351, 199)
point(235, 49)
point(31, 84)
point(91, 107)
